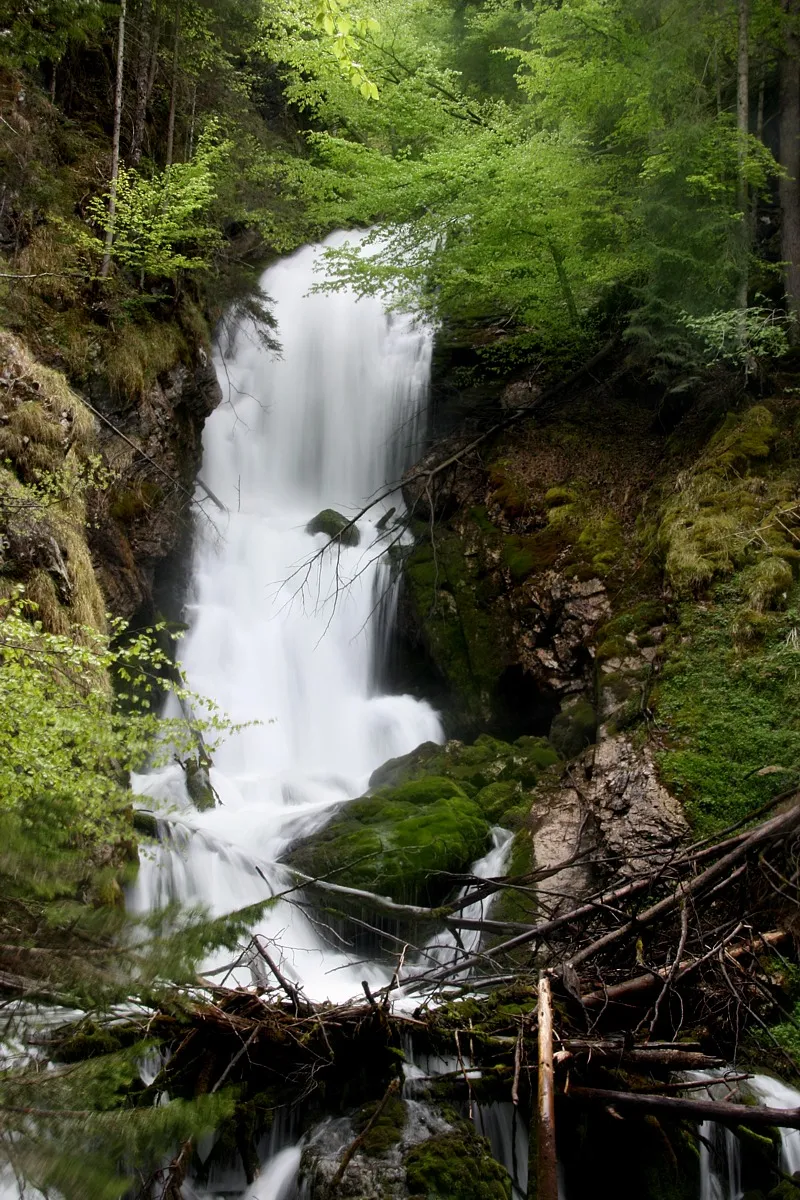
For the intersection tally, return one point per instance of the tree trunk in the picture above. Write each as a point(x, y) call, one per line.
point(112, 202)
point(546, 1157)
point(173, 97)
point(702, 1110)
point(743, 126)
point(142, 77)
point(788, 184)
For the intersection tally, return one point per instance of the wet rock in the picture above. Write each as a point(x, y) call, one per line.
point(334, 526)
point(198, 784)
point(375, 1171)
point(636, 816)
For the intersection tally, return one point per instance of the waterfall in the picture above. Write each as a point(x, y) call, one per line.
point(278, 636)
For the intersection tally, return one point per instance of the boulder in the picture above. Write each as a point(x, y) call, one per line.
point(574, 729)
point(399, 842)
point(198, 784)
point(334, 526)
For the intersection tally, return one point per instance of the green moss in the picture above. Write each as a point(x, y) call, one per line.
point(730, 511)
point(475, 768)
point(730, 708)
point(556, 496)
point(538, 751)
point(88, 1041)
point(399, 841)
point(334, 526)
point(387, 1130)
point(135, 502)
point(466, 636)
point(456, 1166)
point(574, 729)
point(601, 544)
point(767, 582)
point(496, 799)
point(506, 490)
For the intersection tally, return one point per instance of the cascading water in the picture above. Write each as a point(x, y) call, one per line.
point(277, 636)
point(720, 1148)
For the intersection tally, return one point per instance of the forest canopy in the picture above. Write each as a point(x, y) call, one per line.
point(548, 170)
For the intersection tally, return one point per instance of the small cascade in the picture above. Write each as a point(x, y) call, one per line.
point(506, 1130)
point(720, 1148)
point(445, 948)
point(774, 1094)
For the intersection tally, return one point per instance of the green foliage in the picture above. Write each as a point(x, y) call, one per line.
point(42, 29)
point(67, 747)
point(741, 338)
point(161, 225)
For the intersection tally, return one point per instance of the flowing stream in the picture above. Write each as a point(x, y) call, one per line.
point(721, 1149)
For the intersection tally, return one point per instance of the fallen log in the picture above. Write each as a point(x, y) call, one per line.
point(700, 1110)
point(770, 830)
point(643, 1056)
point(646, 983)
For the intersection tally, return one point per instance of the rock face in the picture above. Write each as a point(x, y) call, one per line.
point(411, 1153)
point(509, 645)
point(147, 515)
point(334, 526)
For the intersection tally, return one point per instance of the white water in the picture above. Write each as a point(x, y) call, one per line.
point(720, 1149)
point(274, 640)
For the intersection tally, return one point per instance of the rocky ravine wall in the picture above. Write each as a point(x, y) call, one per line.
point(123, 499)
point(590, 579)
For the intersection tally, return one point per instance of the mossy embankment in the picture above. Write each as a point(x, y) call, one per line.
point(597, 575)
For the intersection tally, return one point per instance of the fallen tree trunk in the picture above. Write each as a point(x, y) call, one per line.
point(701, 1110)
point(645, 983)
point(767, 832)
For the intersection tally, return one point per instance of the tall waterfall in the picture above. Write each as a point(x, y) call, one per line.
point(276, 635)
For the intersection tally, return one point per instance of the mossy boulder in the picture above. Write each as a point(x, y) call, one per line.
point(574, 729)
point(497, 775)
point(456, 1166)
point(399, 842)
point(334, 526)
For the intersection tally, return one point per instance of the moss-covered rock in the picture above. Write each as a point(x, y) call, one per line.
point(387, 1129)
point(334, 526)
point(732, 512)
point(496, 774)
point(574, 729)
point(456, 1166)
point(399, 841)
